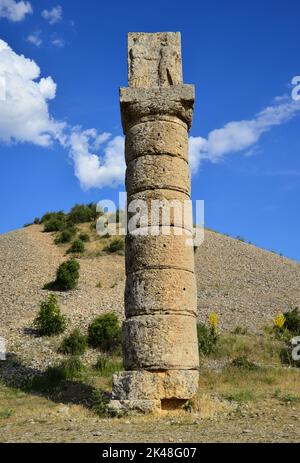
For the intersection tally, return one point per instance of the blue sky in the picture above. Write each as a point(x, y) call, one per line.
point(241, 56)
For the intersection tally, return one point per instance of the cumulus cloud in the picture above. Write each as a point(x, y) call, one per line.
point(13, 10)
point(90, 169)
point(54, 15)
point(58, 42)
point(35, 38)
point(241, 135)
point(24, 112)
point(24, 117)
point(98, 158)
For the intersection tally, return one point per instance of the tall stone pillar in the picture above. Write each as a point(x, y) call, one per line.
point(159, 334)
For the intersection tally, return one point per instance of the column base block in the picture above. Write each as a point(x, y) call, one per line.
point(121, 407)
point(155, 385)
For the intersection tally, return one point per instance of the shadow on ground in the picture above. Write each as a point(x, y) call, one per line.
point(49, 384)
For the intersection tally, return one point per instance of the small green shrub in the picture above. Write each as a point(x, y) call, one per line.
point(6, 413)
point(71, 368)
point(244, 364)
point(53, 221)
point(240, 396)
point(54, 224)
point(77, 247)
point(292, 321)
point(53, 215)
point(104, 332)
point(74, 344)
point(108, 366)
point(207, 339)
point(49, 320)
point(82, 213)
point(100, 403)
point(84, 237)
point(36, 221)
point(65, 236)
point(240, 330)
point(116, 245)
point(67, 276)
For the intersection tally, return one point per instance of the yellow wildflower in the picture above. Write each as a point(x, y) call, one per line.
point(279, 320)
point(213, 321)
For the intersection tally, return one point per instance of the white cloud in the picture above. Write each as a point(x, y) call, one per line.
point(90, 169)
point(58, 42)
point(241, 135)
point(53, 16)
point(13, 10)
point(35, 38)
point(24, 117)
point(98, 157)
point(24, 113)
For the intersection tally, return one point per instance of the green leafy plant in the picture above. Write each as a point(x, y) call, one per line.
point(107, 366)
point(240, 330)
point(70, 369)
point(292, 321)
point(49, 320)
point(207, 339)
point(74, 344)
point(117, 245)
point(84, 237)
point(53, 221)
point(243, 363)
point(6, 412)
point(54, 224)
point(104, 332)
point(66, 235)
point(77, 247)
point(67, 276)
point(82, 213)
point(100, 403)
point(53, 215)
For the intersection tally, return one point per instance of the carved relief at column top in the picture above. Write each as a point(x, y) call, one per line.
point(154, 60)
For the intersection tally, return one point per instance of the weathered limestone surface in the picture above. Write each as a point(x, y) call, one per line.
point(161, 251)
point(162, 171)
point(157, 137)
point(159, 334)
point(160, 342)
point(161, 207)
point(141, 105)
point(143, 384)
point(154, 59)
point(161, 291)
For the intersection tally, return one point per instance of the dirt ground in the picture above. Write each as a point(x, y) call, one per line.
point(42, 421)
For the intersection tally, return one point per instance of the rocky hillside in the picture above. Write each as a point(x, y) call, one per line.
point(245, 285)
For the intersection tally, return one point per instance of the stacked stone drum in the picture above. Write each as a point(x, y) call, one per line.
point(159, 333)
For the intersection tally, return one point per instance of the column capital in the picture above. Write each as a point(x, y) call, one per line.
point(143, 104)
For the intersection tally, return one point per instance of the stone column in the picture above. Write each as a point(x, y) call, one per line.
point(159, 334)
